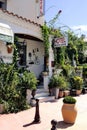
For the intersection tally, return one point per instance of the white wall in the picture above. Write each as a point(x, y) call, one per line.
point(20, 26)
point(51, 56)
point(38, 66)
point(25, 8)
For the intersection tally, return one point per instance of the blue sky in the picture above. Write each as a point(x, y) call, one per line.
point(74, 14)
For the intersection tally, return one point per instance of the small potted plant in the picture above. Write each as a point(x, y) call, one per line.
point(57, 82)
point(62, 84)
point(69, 111)
point(69, 100)
point(53, 85)
point(76, 84)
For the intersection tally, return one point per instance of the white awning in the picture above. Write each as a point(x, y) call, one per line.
point(6, 33)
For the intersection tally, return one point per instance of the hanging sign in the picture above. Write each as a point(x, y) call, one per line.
point(58, 42)
point(40, 7)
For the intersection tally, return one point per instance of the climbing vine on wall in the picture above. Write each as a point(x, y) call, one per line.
point(45, 34)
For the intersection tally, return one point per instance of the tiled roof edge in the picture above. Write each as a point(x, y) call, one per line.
point(27, 20)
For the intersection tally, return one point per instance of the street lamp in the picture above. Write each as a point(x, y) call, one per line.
point(52, 21)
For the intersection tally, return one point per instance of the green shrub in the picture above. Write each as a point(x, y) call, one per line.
point(76, 82)
point(29, 80)
point(58, 81)
point(11, 90)
point(69, 100)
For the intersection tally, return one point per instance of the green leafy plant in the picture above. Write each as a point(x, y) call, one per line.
point(58, 82)
point(67, 70)
point(1, 101)
point(45, 34)
point(29, 80)
point(61, 82)
point(53, 81)
point(76, 82)
point(10, 90)
point(69, 100)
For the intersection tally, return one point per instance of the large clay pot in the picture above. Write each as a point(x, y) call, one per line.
point(69, 113)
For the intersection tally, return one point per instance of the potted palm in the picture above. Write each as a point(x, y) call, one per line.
point(69, 110)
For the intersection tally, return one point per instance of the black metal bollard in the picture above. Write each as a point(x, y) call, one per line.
point(33, 93)
point(37, 116)
point(54, 125)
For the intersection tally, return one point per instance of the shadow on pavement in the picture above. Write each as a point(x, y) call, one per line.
point(32, 123)
point(62, 125)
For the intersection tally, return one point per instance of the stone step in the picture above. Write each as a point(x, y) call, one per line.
point(43, 95)
point(46, 98)
point(41, 90)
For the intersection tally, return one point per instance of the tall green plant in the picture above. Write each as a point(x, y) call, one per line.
point(45, 34)
point(29, 80)
point(10, 91)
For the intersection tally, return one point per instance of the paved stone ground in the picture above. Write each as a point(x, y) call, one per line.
point(48, 111)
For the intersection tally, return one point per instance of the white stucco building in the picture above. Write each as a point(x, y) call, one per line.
point(24, 18)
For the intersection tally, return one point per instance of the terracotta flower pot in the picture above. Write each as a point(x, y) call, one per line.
point(9, 48)
point(78, 92)
point(61, 93)
point(66, 93)
point(69, 113)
